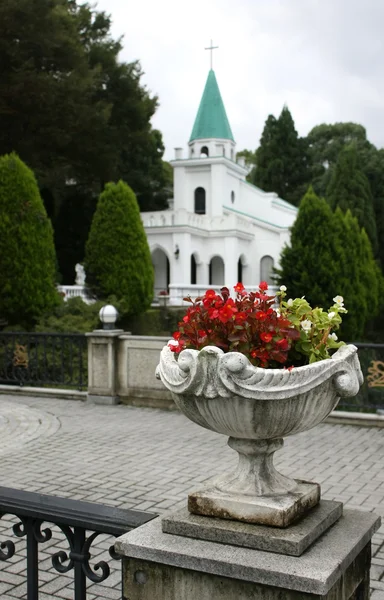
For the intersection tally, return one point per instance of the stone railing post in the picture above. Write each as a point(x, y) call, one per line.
point(102, 365)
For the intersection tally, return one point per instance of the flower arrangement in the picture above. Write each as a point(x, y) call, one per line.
point(270, 330)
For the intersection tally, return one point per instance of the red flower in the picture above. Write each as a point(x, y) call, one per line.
point(227, 312)
point(239, 288)
point(210, 295)
point(261, 315)
point(283, 345)
point(240, 318)
point(175, 346)
point(263, 286)
point(266, 337)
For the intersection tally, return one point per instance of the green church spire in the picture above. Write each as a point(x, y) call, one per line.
point(211, 120)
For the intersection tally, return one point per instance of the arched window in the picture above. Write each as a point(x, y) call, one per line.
point(266, 269)
point(193, 269)
point(239, 271)
point(204, 152)
point(243, 270)
point(162, 270)
point(232, 197)
point(216, 271)
point(200, 201)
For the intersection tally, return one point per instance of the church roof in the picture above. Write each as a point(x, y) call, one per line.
point(211, 120)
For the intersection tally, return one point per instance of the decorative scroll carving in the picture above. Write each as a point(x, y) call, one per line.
point(212, 373)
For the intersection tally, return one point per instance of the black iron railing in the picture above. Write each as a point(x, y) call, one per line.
point(371, 395)
point(58, 359)
point(80, 522)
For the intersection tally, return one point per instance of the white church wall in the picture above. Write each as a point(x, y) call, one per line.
point(185, 183)
point(260, 205)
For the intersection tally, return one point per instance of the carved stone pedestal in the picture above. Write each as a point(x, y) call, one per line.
point(163, 566)
point(255, 492)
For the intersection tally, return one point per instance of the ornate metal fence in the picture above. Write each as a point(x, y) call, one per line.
point(58, 359)
point(371, 395)
point(80, 522)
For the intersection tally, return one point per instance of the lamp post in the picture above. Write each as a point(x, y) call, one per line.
point(108, 316)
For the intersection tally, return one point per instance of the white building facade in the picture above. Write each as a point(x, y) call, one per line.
point(219, 229)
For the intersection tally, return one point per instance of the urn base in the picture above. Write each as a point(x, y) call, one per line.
point(276, 510)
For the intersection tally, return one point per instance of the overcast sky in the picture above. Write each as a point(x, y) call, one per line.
point(323, 58)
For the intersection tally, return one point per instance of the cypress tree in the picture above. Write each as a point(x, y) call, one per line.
point(330, 255)
point(27, 254)
point(307, 265)
point(349, 189)
point(117, 257)
point(282, 159)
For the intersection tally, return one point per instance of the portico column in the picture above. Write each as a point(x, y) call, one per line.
point(203, 274)
point(231, 259)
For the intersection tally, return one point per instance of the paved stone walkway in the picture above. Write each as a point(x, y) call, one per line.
point(150, 459)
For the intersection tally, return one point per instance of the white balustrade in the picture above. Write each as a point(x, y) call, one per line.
point(74, 291)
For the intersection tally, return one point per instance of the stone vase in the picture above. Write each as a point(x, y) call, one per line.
point(256, 408)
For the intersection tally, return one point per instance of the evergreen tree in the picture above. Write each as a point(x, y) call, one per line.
point(282, 159)
point(27, 254)
point(372, 162)
point(308, 267)
point(349, 189)
point(58, 57)
point(325, 142)
point(330, 255)
point(117, 259)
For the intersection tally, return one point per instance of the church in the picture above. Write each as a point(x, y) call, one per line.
point(219, 229)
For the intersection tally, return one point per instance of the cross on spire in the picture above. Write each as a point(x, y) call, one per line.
point(211, 48)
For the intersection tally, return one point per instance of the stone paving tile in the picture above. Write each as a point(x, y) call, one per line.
point(150, 459)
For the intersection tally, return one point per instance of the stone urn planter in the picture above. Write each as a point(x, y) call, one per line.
point(256, 408)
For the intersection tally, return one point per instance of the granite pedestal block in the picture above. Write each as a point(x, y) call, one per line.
point(293, 540)
point(162, 566)
point(277, 510)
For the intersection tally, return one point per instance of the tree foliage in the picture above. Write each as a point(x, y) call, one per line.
point(281, 159)
point(69, 107)
point(325, 142)
point(349, 189)
point(330, 255)
point(118, 260)
point(27, 255)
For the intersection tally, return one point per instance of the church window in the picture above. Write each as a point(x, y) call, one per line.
point(232, 197)
point(200, 201)
point(239, 271)
point(193, 269)
point(216, 271)
point(204, 152)
point(266, 269)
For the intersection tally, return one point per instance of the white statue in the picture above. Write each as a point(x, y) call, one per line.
point(80, 274)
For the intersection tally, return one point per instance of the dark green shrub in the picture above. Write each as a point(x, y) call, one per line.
point(117, 260)
point(74, 316)
point(330, 255)
point(27, 254)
